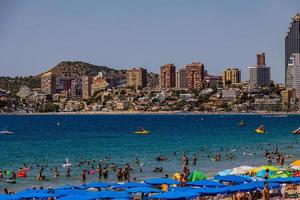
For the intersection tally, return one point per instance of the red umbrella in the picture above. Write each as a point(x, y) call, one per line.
point(296, 174)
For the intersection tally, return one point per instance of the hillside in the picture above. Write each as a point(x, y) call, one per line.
point(77, 69)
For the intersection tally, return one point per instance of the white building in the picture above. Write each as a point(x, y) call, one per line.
point(24, 91)
point(229, 94)
point(293, 73)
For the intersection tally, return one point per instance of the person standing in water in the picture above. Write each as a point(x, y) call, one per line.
point(194, 160)
point(68, 172)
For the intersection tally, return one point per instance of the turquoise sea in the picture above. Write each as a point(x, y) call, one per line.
point(38, 140)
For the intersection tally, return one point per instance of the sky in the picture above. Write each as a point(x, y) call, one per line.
point(35, 35)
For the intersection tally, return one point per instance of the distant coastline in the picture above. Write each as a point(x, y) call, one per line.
point(154, 113)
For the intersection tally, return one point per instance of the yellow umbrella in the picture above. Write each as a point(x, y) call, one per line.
point(271, 168)
point(296, 163)
point(255, 170)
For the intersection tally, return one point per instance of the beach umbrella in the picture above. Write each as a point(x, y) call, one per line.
point(224, 172)
point(252, 186)
point(160, 181)
point(175, 195)
point(130, 185)
point(296, 174)
point(76, 196)
point(281, 174)
point(109, 195)
point(233, 179)
point(31, 194)
point(196, 176)
point(240, 170)
point(296, 163)
point(7, 197)
point(291, 180)
point(71, 192)
point(180, 189)
point(295, 167)
point(271, 168)
point(263, 172)
point(69, 187)
point(145, 190)
point(207, 191)
point(206, 183)
point(96, 185)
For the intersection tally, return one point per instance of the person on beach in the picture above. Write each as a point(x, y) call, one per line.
point(281, 161)
point(266, 192)
point(13, 175)
point(99, 171)
point(1, 174)
point(40, 176)
point(266, 177)
point(194, 160)
point(185, 160)
point(186, 171)
point(105, 173)
point(8, 192)
point(68, 172)
point(83, 175)
point(56, 173)
point(182, 180)
point(119, 174)
point(128, 170)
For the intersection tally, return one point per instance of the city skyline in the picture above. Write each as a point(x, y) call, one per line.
point(154, 34)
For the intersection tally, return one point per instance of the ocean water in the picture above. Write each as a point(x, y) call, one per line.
point(38, 140)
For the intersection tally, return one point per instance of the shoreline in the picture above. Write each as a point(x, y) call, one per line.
point(153, 113)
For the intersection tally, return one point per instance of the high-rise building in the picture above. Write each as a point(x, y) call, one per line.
point(100, 82)
point(136, 77)
point(168, 76)
point(194, 75)
point(292, 41)
point(286, 97)
point(87, 86)
point(260, 74)
point(181, 79)
point(293, 73)
point(48, 83)
point(231, 75)
point(152, 80)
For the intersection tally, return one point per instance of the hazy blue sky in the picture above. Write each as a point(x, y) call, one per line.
point(35, 35)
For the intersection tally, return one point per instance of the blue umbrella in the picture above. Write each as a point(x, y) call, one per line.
point(76, 196)
point(120, 199)
point(130, 185)
point(69, 187)
point(233, 179)
point(145, 190)
point(292, 180)
point(71, 192)
point(262, 173)
point(174, 195)
point(206, 183)
point(38, 195)
point(96, 185)
point(110, 195)
point(160, 181)
point(241, 188)
point(180, 189)
point(207, 191)
point(248, 187)
point(7, 197)
point(261, 184)
point(224, 172)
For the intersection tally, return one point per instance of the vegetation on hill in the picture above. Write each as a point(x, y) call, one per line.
point(13, 84)
point(77, 69)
